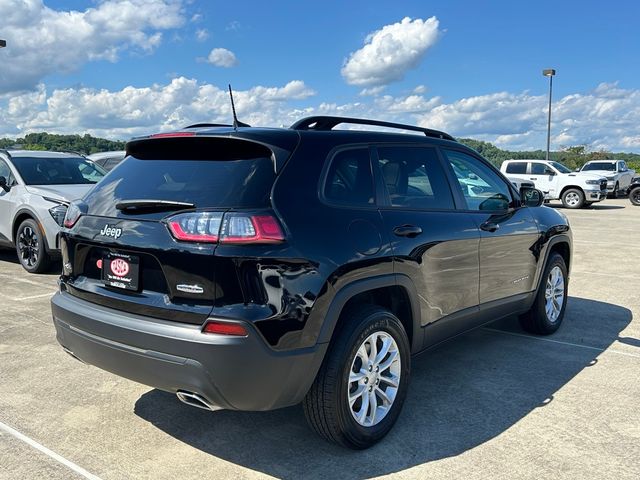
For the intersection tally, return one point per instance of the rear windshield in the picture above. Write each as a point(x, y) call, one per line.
point(242, 183)
point(57, 171)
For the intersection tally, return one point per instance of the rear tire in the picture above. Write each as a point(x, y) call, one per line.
point(353, 376)
point(548, 309)
point(30, 247)
point(573, 198)
point(634, 196)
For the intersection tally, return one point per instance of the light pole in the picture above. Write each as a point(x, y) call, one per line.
point(549, 72)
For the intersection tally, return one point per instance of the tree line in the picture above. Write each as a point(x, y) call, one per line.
point(85, 144)
point(573, 157)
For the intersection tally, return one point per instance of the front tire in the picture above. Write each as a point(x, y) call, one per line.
point(616, 191)
point(359, 391)
point(30, 247)
point(634, 196)
point(573, 198)
point(548, 309)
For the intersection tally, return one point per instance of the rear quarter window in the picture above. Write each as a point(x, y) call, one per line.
point(349, 180)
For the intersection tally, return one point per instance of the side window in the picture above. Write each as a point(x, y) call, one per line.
point(414, 178)
point(349, 180)
point(538, 168)
point(517, 167)
point(89, 172)
point(111, 162)
point(483, 189)
point(4, 170)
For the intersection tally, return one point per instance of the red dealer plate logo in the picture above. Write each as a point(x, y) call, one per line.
point(119, 267)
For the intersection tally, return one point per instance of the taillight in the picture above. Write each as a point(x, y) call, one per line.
point(196, 226)
point(225, 328)
point(229, 228)
point(245, 228)
point(72, 216)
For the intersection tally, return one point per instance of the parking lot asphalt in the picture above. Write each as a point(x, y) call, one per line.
point(493, 403)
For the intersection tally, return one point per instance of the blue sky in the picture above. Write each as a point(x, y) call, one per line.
point(123, 67)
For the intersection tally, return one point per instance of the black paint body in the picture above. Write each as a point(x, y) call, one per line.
point(451, 277)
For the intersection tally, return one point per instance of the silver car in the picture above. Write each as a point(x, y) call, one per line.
point(35, 190)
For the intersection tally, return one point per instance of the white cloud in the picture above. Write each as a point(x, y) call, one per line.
point(41, 40)
point(202, 34)
point(604, 118)
point(136, 111)
point(372, 92)
point(390, 52)
point(221, 57)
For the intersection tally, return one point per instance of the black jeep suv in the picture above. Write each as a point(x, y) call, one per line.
point(253, 268)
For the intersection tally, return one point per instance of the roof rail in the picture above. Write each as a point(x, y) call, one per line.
point(325, 123)
point(199, 125)
point(73, 152)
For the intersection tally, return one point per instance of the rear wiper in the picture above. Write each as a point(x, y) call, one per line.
point(155, 205)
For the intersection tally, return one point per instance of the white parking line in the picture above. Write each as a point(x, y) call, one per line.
point(25, 280)
point(79, 470)
point(612, 275)
point(589, 347)
point(30, 297)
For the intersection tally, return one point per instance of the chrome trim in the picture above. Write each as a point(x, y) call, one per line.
point(196, 400)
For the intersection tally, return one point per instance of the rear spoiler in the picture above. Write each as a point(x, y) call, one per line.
point(192, 146)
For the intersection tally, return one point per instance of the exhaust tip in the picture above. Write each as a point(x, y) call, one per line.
point(196, 400)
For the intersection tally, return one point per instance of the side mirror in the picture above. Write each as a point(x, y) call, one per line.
point(531, 197)
point(3, 184)
point(548, 171)
point(577, 169)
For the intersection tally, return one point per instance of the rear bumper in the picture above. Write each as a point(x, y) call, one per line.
point(239, 373)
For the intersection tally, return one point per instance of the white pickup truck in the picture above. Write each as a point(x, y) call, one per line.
point(574, 189)
point(615, 171)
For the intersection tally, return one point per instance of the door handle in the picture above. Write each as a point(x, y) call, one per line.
point(407, 231)
point(533, 178)
point(489, 227)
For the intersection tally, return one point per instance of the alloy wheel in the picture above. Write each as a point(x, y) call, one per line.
point(572, 199)
point(554, 294)
point(374, 379)
point(28, 246)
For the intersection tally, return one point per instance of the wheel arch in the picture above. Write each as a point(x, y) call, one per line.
point(562, 245)
point(20, 216)
point(394, 292)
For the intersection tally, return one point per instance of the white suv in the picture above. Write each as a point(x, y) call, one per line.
point(574, 189)
point(35, 189)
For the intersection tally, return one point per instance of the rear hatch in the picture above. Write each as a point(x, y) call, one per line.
point(146, 238)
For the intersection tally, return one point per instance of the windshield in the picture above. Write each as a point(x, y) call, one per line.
point(58, 171)
point(560, 167)
point(609, 166)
